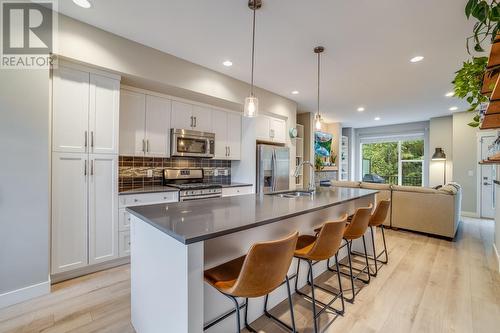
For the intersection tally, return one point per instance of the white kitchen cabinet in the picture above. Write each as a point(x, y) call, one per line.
point(144, 125)
point(193, 117)
point(70, 110)
point(234, 136)
point(85, 112)
point(227, 129)
point(103, 208)
point(132, 123)
point(182, 115)
point(271, 129)
point(123, 220)
point(69, 211)
point(202, 117)
point(104, 114)
point(239, 190)
point(124, 243)
point(157, 133)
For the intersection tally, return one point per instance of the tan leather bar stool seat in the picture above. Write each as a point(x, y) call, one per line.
point(355, 230)
point(317, 248)
point(256, 274)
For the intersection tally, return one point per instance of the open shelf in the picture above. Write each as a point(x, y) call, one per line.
point(489, 162)
point(491, 121)
point(489, 82)
point(493, 108)
point(494, 59)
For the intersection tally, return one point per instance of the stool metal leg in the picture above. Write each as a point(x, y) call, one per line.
point(385, 246)
point(351, 300)
point(313, 297)
point(340, 284)
point(290, 304)
point(367, 264)
point(374, 252)
point(237, 308)
point(247, 326)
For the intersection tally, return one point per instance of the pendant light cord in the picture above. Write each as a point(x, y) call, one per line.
point(253, 44)
point(319, 55)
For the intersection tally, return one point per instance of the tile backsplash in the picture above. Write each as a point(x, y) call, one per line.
point(133, 170)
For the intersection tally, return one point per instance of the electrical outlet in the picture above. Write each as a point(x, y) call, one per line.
point(149, 173)
point(223, 172)
point(216, 172)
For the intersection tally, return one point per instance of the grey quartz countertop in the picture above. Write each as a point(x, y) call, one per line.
point(236, 185)
point(149, 189)
point(195, 221)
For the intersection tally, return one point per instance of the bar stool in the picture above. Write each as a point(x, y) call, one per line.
point(256, 274)
point(314, 249)
point(377, 220)
point(355, 229)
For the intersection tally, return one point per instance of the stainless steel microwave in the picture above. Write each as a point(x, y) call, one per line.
point(190, 143)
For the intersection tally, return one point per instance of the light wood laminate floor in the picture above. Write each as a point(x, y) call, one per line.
point(430, 285)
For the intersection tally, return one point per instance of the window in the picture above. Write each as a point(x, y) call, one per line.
point(393, 162)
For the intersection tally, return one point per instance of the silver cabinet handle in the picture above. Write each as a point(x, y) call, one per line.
point(143, 145)
point(92, 139)
point(92, 167)
point(85, 139)
point(195, 121)
point(147, 146)
point(85, 168)
point(226, 151)
point(192, 121)
point(229, 151)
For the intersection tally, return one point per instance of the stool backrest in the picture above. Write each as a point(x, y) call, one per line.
point(380, 213)
point(265, 267)
point(329, 239)
point(359, 223)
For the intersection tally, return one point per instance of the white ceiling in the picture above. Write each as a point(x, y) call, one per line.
point(366, 62)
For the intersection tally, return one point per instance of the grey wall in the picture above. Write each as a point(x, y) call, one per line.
point(24, 178)
point(465, 160)
point(441, 136)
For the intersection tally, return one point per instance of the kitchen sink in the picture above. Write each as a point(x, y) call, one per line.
point(293, 194)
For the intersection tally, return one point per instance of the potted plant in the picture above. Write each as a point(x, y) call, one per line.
point(487, 14)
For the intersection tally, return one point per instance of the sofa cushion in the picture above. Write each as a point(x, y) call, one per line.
point(344, 183)
point(449, 189)
point(416, 189)
point(376, 186)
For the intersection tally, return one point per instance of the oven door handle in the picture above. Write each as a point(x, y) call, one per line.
point(200, 197)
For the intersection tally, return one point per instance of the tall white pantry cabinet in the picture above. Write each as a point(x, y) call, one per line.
point(85, 124)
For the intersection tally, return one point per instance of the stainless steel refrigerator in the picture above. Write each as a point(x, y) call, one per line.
point(273, 168)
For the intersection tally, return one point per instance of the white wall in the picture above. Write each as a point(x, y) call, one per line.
point(148, 68)
point(24, 184)
point(465, 160)
point(441, 136)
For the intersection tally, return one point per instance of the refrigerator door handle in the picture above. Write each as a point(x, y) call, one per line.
point(274, 170)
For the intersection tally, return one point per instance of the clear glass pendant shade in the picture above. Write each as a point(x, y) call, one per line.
point(251, 107)
point(318, 122)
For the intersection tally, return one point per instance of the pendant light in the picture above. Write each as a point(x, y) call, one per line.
point(251, 108)
point(318, 50)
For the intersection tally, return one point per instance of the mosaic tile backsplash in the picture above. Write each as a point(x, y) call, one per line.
point(133, 170)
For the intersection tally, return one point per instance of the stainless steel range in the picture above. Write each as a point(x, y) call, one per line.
point(191, 185)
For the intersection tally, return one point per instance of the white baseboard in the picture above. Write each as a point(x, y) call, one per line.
point(497, 255)
point(24, 294)
point(470, 214)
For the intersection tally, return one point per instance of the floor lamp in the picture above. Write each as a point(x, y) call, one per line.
point(439, 155)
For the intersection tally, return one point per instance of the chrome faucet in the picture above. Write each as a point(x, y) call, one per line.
point(312, 183)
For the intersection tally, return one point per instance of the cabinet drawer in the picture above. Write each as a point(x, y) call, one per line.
point(148, 199)
point(232, 191)
point(123, 220)
point(124, 243)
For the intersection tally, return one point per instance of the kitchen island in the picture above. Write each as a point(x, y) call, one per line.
point(172, 244)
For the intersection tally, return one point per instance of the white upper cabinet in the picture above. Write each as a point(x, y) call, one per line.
point(144, 124)
point(234, 136)
point(104, 114)
point(132, 123)
point(271, 129)
point(157, 135)
point(70, 110)
point(219, 122)
point(85, 112)
point(69, 211)
point(227, 129)
point(182, 115)
point(103, 208)
point(278, 130)
point(202, 118)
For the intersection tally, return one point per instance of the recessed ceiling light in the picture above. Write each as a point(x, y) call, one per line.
point(453, 108)
point(361, 109)
point(417, 59)
point(377, 118)
point(83, 3)
point(295, 92)
point(227, 63)
point(450, 94)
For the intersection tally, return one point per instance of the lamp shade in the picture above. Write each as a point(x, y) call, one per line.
point(439, 155)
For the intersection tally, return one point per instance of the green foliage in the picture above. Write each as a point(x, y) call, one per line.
point(318, 163)
point(487, 14)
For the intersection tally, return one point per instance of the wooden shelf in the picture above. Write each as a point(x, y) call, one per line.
point(495, 95)
point(494, 59)
point(493, 108)
point(491, 121)
point(489, 82)
point(489, 162)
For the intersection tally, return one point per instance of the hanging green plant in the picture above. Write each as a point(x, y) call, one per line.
point(487, 14)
